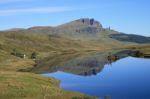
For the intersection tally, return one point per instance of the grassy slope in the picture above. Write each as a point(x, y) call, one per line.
point(16, 85)
point(31, 86)
point(145, 49)
point(21, 85)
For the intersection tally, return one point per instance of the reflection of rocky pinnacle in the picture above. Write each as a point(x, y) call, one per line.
point(109, 58)
point(94, 72)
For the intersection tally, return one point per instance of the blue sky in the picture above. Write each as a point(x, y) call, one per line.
point(129, 16)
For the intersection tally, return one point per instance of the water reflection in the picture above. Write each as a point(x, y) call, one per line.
point(83, 65)
point(122, 78)
point(127, 78)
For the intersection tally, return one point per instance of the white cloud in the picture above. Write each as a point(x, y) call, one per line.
point(34, 10)
point(37, 10)
point(11, 1)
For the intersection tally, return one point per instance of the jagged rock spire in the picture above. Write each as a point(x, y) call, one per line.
point(89, 21)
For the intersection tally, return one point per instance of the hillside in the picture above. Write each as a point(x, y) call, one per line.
point(77, 36)
point(130, 38)
point(81, 34)
point(55, 45)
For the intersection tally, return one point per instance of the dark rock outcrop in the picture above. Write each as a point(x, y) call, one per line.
point(93, 26)
point(91, 22)
point(92, 30)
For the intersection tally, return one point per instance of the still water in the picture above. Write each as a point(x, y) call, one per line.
point(127, 78)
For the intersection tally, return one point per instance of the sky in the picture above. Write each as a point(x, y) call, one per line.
point(128, 16)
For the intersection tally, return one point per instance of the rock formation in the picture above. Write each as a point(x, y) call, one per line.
point(91, 22)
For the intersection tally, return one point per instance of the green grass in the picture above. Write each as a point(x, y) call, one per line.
point(15, 85)
point(68, 45)
point(21, 85)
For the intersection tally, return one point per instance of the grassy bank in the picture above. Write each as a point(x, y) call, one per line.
point(25, 85)
point(143, 49)
point(15, 85)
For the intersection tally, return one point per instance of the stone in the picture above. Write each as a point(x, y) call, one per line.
point(91, 22)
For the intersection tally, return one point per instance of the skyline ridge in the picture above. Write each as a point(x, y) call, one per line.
point(125, 16)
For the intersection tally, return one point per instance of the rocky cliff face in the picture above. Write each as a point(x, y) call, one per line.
point(85, 28)
point(89, 29)
point(92, 26)
point(90, 22)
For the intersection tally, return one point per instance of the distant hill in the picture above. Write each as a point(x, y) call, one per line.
point(130, 38)
point(73, 47)
point(77, 35)
point(86, 28)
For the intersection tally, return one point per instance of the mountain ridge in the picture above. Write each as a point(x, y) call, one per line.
point(85, 33)
point(81, 43)
point(79, 23)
